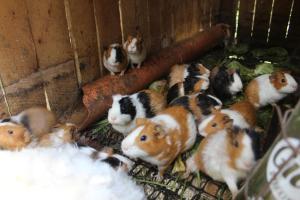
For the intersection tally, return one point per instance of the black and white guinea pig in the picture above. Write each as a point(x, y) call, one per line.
point(115, 59)
point(179, 73)
point(126, 109)
point(191, 85)
point(225, 83)
point(200, 105)
point(136, 50)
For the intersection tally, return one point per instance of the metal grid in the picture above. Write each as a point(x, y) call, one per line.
point(171, 187)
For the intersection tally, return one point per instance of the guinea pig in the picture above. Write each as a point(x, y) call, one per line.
point(116, 161)
point(14, 136)
point(227, 156)
point(270, 88)
point(136, 50)
point(115, 59)
point(179, 73)
point(159, 140)
point(189, 86)
point(241, 114)
point(225, 83)
point(37, 120)
point(126, 109)
point(200, 105)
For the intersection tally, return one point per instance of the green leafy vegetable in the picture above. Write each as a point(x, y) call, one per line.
point(239, 49)
point(264, 68)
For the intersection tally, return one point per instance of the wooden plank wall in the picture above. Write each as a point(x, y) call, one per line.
point(269, 24)
point(50, 48)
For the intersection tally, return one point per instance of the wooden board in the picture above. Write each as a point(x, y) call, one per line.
point(83, 24)
point(245, 20)
point(294, 32)
point(155, 17)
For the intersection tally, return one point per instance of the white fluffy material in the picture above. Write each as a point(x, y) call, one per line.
point(66, 173)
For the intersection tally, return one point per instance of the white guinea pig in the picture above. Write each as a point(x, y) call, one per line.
point(159, 140)
point(136, 50)
point(227, 155)
point(126, 109)
point(270, 88)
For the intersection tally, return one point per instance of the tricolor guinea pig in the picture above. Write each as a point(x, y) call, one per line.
point(241, 114)
point(159, 140)
point(227, 156)
point(189, 86)
point(126, 109)
point(37, 120)
point(179, 73)
point(225, 83)
point(115, 59)
point(136, 50)
point(200, 105)
point(270, 88)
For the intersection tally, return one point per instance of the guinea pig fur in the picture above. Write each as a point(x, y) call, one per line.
point(241, 114)
point(67, 172)
point(200, 105)
point(137, 52)
point(227, 156)
point(179, 73)
point(225, 83)
point(37, 120)
point(189, 86)
point(115, 59)
point(126, 109)
point(270, 88)
point(159, 140)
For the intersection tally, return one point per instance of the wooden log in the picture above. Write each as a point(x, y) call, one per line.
point(98, 95)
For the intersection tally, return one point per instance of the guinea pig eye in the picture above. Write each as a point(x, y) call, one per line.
point(10, 132)
point(214, 125)
point(283, 80)
point(143, 138)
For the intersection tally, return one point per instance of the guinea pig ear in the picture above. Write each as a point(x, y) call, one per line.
point(228, 121)
point(141, 121)
point(231, 71)
point(159, 131)
point(273, 76)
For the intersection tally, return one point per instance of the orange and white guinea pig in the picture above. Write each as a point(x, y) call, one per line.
point(241, 114)
point(227, 156)
point(136, 50)
point(159, 140)
point(270, 88)
point(179, 73)
point(115, 59)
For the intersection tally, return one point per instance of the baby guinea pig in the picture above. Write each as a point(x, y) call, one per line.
point(136, 50)
point(241, 114)
point(37, 120)
point(126, 109)
point(189, 86)
point(270, 88)
point(13, 136)
point(115, 59)
point(225, 83)
point(179, 73)
point(227, 156)
point(159, 140)
point(200, 105)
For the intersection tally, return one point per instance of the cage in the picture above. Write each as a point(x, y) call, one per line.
point(51, 52)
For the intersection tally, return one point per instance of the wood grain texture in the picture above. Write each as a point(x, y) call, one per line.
point(245, 20)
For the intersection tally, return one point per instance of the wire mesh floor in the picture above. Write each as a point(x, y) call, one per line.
point(171, 187)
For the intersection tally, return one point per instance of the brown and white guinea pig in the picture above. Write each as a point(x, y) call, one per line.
point(179, 73)
point(227, 156)
point(225, 83)
point(115, 59)
point(126, 109)
point(270, 88)
point(116, 161)
point(61, 134)
point(241, 114)
point(159, 140)
point(189, 86)
point(136, 50)
point(37, 120)
point(200, 105)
